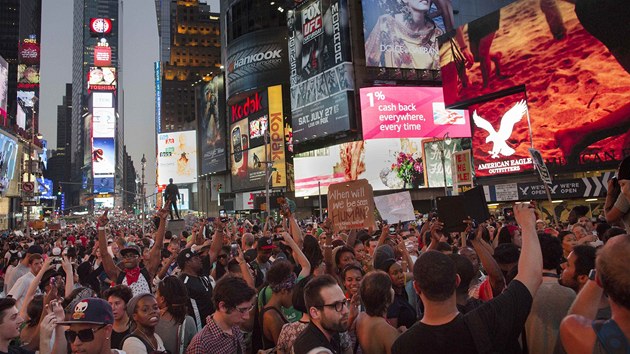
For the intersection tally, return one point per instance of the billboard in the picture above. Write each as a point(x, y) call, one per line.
point(184, 199)
point(437, 170)
point(177, 157)
point(102, 56)
point(255, 58)
point(212, 126)
point(321, 73)
point(577, 90)
point(501, 136)
point(157, 76)
point(45, 188)
point(4, 88)
point(100, 26)
point(26, 99)
point(102, 100)
point(409, 112)
point(28, 76)
point(103, 157)
point(106, 202)
point(8, 161)
point(103, 185)
point(256, 115)
point(400, 34)
point(103, 122)
point(379, 161)
point(102, 78)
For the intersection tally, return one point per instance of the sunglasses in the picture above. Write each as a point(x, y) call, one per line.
point(85, 335)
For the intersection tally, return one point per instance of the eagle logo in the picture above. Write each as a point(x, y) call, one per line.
point(499, 138)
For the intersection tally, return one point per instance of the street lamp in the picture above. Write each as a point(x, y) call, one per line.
point(143, 163)
point(446, 140)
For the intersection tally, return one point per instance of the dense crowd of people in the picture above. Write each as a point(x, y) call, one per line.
point(224, 285)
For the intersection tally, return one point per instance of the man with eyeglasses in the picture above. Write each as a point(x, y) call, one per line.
point(90, 328)
point(328, 308)
point(233, 300)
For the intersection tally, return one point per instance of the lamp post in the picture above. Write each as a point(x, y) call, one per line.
point(143, 163)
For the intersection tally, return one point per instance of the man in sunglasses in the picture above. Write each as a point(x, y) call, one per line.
point(90, 328)
point(328, 308)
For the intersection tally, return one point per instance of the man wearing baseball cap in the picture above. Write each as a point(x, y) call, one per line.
point(261, 264)
point(90, 328)
point(617, 205)
point(199, 286)
point(131, 275)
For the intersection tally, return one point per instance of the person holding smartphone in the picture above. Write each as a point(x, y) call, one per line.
point(617, 205)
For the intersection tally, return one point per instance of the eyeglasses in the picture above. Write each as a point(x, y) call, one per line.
point(244, 310)
point(338, 306)
point(130, 256)
point(85, 335)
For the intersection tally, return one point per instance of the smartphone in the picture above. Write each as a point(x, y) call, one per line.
point(392, 230)
point(223, 215)
point(52, 281)
point(237, 147)
point(234, 250)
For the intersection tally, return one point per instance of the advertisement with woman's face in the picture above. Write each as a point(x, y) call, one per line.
point(401, 34)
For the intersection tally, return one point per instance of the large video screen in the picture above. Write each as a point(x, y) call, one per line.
point(103, 122)
point(102, 78)
point(177, 157)
point(401, 34)
point(212, 126)
point(103, 156)
point(261, 112)
point(8, 160)
point(378, 161)
point(4, 87)
point(409, 112)
point(578, 93)
point(321, 73)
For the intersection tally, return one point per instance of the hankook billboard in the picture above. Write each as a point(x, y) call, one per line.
point(255, 60)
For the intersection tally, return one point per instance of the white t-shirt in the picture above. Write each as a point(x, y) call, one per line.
point(135, 345)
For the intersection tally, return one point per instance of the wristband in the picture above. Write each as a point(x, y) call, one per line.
point(328, 246)
point(102, 228)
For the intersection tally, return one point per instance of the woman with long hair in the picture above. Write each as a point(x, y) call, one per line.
point(175, 328)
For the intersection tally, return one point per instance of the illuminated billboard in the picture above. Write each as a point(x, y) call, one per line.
point(4, 88)
point(382, 162)
point(102, 56)
point(102, 78)
point(212, 126)
point(28, 76)
point(501, 136)
point(103, 122)
point(103, 157)
point(321, 73)
point(106, 202)
point(409, 112)
point(45, 188)
point(577, 90)
point(177, 157)
point(8, 161)
point(100, 26)
point(256, 115)
point(102, 100)
point(400, 34)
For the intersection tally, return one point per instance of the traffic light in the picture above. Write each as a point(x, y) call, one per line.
point(60, 190)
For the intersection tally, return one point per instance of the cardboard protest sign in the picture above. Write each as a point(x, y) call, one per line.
point(395, 207)
point(351, 205)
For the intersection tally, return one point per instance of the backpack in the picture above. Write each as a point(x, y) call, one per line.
point(610, 336)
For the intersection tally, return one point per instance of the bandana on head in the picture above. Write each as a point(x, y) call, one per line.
point(287, 283)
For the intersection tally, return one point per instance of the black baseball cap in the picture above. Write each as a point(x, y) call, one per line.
point(91, 311)
point(185, 255)
point(131, 248)
point(265, 243)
